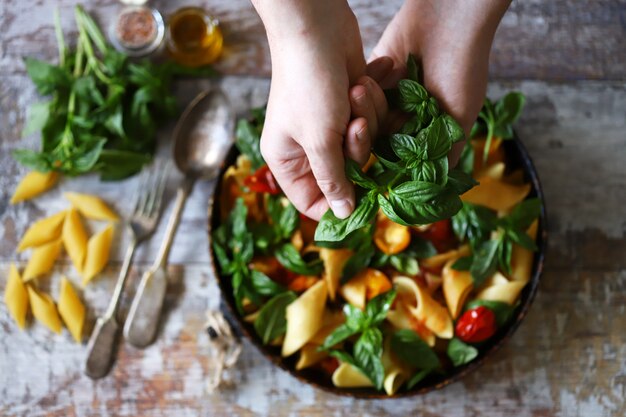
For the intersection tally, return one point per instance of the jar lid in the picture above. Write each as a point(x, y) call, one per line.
point(137, 30)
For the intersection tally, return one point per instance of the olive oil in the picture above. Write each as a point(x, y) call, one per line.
point(194, 38)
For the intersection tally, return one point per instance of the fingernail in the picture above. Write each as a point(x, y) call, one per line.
point(361, 135)
point(341, 208)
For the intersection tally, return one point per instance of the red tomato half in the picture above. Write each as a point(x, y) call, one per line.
point(476, 325)
point(262, 181)
point(441, 235)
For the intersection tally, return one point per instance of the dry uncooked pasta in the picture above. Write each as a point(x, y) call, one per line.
point(75, 239)
point(16, 297)
point(98, 249)
point(44, 309)
point(42, 260)
point(42, 231)
point(33, 184)
point(71, 309)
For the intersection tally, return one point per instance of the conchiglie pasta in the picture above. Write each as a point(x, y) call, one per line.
point(347, 376)
point(456, 287)
point(395, 373)
point(496, 194)
point(33, 184)
point(366, 285)
point(507, 292)
point(440, 259)
point(522, 258)
point(334, 261)
point(42, 260)
point(72, 310)
point(305, 317)
point(16, 297)
point(42, 231)
point(75, 239)
point(425, 309)
point(44, 310)
point(401, 317)
point(97, 256)
point(91, 207)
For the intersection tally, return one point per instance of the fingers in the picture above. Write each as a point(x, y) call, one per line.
point(327, 164)
point(379, 68)
point(358, 143)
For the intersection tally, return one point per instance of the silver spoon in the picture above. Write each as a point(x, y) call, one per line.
point(202, 138)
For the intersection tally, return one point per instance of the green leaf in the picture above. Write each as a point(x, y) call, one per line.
point(419, 376)
point(509, 108)
point(37, 117)
point(46, 77)
point(356, 175)
point(342, 356)
point(86, 161)
point(341, 333)
point(412, 350)
point(237, 218)
point(412, 68)
point(525, 213)
point(522, 239)
point(238, 289)
point(247, 141)
point(460, 182)
point(466, 161)
point(463, 264)
point(222, 257)
point(405, 264)
point(264, 285)
point(502, 311)
point(406, 147)
point(389, 211)
point(421, 248)
point(290, 258)
point(355, 317)
point(34, 160)
point(368, 350)
point(377, 308)
point(485, 262)
point(412, 95)
point(461, 353)
point(332, 229)
point(289, 221)
point(116, 164)
point(272, 321)
point(453, 129)
point(355, 264)
point(435, 172)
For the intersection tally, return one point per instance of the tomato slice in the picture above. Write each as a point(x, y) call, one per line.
point(476, 325)
point(441, 235)
point(262, 181)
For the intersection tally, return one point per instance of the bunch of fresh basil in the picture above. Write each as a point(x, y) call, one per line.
point(411, 181)
point(104, 109)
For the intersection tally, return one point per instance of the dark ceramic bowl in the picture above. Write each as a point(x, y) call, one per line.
point(516, 157)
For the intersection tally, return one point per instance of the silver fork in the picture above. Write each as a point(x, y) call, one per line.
point(100, 349)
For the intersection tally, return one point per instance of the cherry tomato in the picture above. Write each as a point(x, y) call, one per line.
point(262, 181)
point(329, 365)
point(441, 235)
point(390, 237)
point(476, 325)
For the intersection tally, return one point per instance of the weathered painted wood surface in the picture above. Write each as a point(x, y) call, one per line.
point(567, 359)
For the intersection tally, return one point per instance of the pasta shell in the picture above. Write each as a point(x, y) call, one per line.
point(42, 231)
point(44, 309)
point(506, 293)
point(72, 310)
point(305, 317)
point(309, 355)
point(16, 297)
point(42, 260)
point(440, 259)
point(456, 287)
point(347, 376)
point(91, 207)
point(98, 249)
point(334, 260)
point(75, 239)
point(495, 194)
point(33, 184)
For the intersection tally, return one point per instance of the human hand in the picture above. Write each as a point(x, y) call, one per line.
point(316, 55)
point(452, 40)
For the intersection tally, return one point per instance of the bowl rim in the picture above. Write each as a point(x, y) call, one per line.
point(460, 372)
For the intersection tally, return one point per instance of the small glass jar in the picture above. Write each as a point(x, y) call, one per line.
point(193, 38)
point(138, 30)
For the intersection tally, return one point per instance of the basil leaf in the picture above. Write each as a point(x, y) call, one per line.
point(238, 290)
point(34, 160)
point(359, 261)
point(461, 353)
point(502, 311)
point(485, 262)
point(355, 317)
point(377, 308)
point(222, 257)
point(406, 147)
point(505, 252)
point(46, 77)
point(368, 350)
point(342, 356)
point(415, 379)
point(264, 285)
point(421, 248)
point(453, 129)
point(466, 161)
point(412, 69)
point(332, 229)
point(460, 182)
point(412, 350)
point(432, 171)
point(237, 218)
point(509, 108)
point(264, 235)
point(340, 334)
point(272, 321)
point(412, 94)
point(288, 221)
point(522, 239)
point(389, 211)
point(356, 175)
point(525, 213)
point(405, 264)
point(428, 203)
point(243, 249)
point(463, 264)
point(290, 258)
point(438, 144)
point(247, 141)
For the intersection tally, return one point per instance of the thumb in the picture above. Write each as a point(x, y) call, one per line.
point(325, 156)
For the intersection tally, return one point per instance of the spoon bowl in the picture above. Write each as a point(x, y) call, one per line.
point(204, 135)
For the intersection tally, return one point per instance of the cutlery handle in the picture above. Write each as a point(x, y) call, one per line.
point(142, 322)
point(121, 280)
point(101, 347)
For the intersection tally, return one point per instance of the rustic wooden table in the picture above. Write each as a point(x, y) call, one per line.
point(567, 359)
